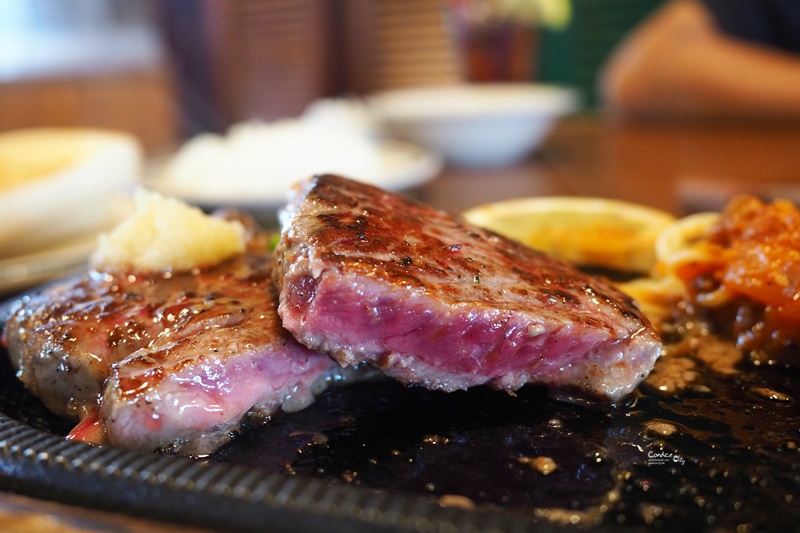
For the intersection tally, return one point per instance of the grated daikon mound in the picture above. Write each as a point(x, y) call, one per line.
point(165, 234)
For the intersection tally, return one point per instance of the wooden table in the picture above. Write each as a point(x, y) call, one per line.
point(677, 167)
point(22, 514)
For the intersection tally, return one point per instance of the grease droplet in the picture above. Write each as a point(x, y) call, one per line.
point(544, 465)
point(663, 429)
point(770, 394)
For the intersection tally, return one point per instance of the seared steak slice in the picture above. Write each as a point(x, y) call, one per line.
point(189, 392)
point(367, 275)
point(182, 357)
point(64, 340)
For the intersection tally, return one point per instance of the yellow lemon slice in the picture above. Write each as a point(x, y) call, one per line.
point(594, 232)
point(34, 154)
point(57, 183)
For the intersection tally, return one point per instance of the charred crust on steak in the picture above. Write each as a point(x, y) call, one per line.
point(368, 275)
point(175, 359)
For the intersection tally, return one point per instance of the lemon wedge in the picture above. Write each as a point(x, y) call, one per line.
point(35, 154)
point(58, 183)
point(592, 232)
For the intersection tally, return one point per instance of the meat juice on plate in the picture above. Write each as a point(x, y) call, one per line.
point(708, 440)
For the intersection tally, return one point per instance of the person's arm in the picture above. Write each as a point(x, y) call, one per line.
point(679, 64)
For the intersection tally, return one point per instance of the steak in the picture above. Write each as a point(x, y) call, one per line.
point(165, 361)
point(370, 276)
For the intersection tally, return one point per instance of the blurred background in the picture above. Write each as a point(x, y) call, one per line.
point(166, 70)
point(227, 103)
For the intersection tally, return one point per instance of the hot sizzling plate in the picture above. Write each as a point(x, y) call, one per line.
point(378, 456)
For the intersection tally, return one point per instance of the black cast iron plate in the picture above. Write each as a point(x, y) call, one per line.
point(377, 456)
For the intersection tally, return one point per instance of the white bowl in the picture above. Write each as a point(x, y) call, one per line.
point(475, 124)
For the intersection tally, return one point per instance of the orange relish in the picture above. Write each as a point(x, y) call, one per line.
point(761, 251)
point(754, 255)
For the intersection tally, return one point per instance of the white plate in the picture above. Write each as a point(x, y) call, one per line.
point(68, 256)
point(405, 166)
point(475, 125)
point(18, 273)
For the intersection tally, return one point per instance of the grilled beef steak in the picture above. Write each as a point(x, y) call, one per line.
point(190, 392)
point(178, 359)
point(367, 275)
